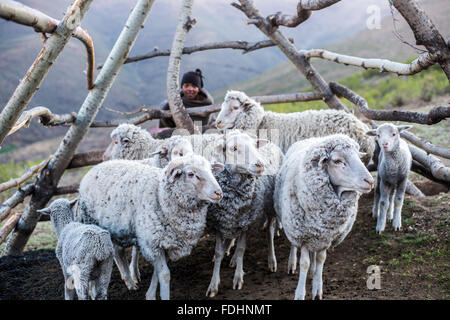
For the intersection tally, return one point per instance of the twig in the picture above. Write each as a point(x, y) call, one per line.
point(15, 199)
point(420, 63)
point(437, 168)
point(28, 174)
point(426, 145)
point(9, 226)
point(435, 115)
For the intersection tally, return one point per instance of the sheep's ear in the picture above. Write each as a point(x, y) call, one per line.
point(246, 105)
point(125, 140)
point(162, 151)
point(372, 132)
point(44, 211)
point(362, 154)
point(174, 173)
point(72, 202)
point(323, 161)
point(217, 167)
point(261, 142)
point(401, 128)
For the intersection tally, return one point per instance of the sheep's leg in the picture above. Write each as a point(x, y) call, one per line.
point(230, 245)
point(390, 215)
point(312, 268)
point(292, 262)
point(385, 190)
point(163, 272)
point(398, 204)
point(376, 199)
point(122, 264)
point(82, 285)
point(271, 258)
point(101, 284)
point(304, 266)
point(317, 278)
point(234, 256)
point(213, 288)
point(69, 291)
point(238, 280)
point(151, 292)
point(134, 268)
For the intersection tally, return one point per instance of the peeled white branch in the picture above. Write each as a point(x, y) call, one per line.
point(437, 168)
point(28, 174)
point(426, 145)
point(9, 226)
point(15, 199)
point(422, 62)
point(19, 13)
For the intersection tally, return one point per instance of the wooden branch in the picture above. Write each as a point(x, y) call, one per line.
point(40, 67)
point(420, 63)
point(28, 174)
point(425, 32)
point(46, 186)
point(67, 190)
point(179, 114)
point(426, 145)
point(237, 45)
point(9, 226)
point(291, 52)
point(435, 115)
point(42, 23)
point(86, 159)
point(437, 168)
point(18, 197)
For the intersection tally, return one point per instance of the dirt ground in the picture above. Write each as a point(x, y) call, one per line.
point(414, 263)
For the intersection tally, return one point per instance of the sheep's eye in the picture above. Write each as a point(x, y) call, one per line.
point(235, 107)
point(191, 175)
point(234, 148)
point(337, 161)
point(181, 154)
point(393, 134)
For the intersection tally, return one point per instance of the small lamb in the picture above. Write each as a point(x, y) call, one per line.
point(85, 253)
point(316, 199)
point(394, 164)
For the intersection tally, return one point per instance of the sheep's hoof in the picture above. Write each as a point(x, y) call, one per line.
point(238, 282)
point(212, 292)
point(232, 263)
point(131, 286)
point(273, 266)
point(319, 297)
point(291, 269)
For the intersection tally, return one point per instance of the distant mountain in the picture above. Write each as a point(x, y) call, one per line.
point(143, 83)
point(374, 43)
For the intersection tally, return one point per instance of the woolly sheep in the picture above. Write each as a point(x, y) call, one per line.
point(241, 112)
point(85, 253)
point(162, 211)
point(247, 183)
point(316, 198)
point(394, 164)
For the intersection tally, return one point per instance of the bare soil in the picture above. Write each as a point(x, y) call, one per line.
point(414, 262)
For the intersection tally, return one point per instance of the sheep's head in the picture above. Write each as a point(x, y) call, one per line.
point(235, 103)
point(388, 136)
point(197, 176)
point(344, 167)
point(240, 152)
point(172, 149)
point(60, 211)
point(125, 143)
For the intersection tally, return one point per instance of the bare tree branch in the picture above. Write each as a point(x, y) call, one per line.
point(298, 59)
point(435, 115)
point(9, 226)
point(28, 174)
point(67, 190)
point(420, 63)
point(19, 13)
point(32, 80)
point(237, 45)
point(15, 199)
point(425, 32)
point(426, 145)
point(83, 159)
point(48, 180)
point(437, 168)
point(179, 114)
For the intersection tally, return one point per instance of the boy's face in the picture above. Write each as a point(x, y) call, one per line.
point(190, 91)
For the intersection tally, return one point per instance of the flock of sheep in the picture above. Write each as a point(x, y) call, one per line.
point(161, 196)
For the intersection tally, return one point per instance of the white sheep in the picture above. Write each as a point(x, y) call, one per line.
point(85, 253)
point(247, 183)
point(394, 164)
point(162, 211)
point(242, 112)
point(316, 199)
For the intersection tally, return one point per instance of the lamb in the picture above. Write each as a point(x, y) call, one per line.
point(394, 164)
point(162, 211)
point(316, 199)
point(247, 182)
point(241, 112)
point(85, 253)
